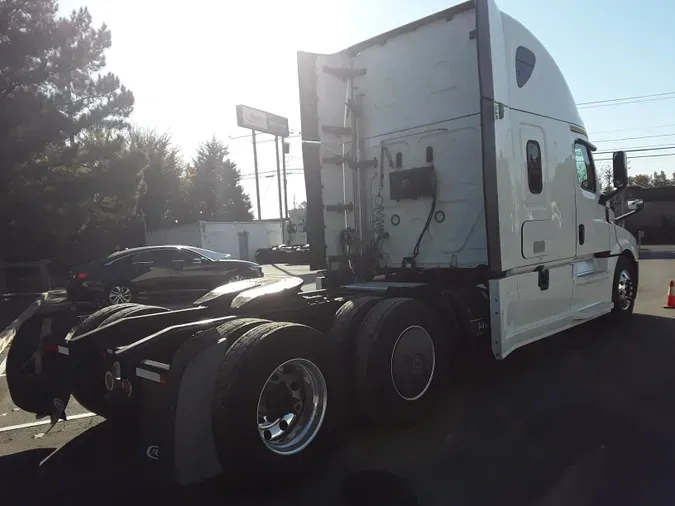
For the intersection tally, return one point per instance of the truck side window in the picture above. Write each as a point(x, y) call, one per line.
point(535, 176)
point(525, 62)
point(585, 168)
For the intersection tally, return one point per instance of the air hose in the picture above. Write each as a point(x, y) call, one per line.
point(410, 261)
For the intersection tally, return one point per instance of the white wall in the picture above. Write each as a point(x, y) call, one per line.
point(220, 236)
point(187, 234)
point(224, 237)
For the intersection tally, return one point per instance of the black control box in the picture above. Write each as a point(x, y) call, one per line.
point(412, 183)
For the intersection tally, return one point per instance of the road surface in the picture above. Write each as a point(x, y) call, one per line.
point(582, 418)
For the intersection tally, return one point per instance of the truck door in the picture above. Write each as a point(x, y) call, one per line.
point(593, 235)
point(593, 229)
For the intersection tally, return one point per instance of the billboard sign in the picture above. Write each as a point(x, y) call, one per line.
point(261, 121)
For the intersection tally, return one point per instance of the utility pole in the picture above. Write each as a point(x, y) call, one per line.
point(284, 151)
point(276, 147)
point(255, 168)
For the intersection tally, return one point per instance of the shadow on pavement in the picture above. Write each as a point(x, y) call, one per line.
point(583, 418)
point(16, 467)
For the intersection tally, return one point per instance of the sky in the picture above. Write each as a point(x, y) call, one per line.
point(190, 63)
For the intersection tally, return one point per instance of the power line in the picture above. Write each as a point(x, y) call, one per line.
point(637, 128)
point(634, 138)
point(269, 185)
point(636, 157)
point(293, 172)
point(639, 148)
point(627, 100)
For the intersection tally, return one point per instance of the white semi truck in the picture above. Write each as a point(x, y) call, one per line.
point(453, 201)
point(452, 148)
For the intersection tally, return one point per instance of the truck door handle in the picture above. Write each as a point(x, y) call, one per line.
point(582, 234)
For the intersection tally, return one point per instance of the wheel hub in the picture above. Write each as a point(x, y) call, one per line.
point(625, 290)
point(278, 401)
point(119, 294)
point(291, 406)
point(413, 362)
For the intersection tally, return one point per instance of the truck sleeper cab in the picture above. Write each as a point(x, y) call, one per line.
point(454, 143)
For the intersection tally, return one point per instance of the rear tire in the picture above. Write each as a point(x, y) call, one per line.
point(343, 333)
point(135, 310)
point(88, 383)
point(401, 361)
point(234, 329)
point(31, 392)
point(94, 320)
point(243, 435)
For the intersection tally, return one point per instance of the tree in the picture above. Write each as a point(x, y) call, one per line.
point(606, 178)
point(214, 188)
point(158, 190)
point(62, 117)
point(643, 180)
point(659, 180)
point(52, 87)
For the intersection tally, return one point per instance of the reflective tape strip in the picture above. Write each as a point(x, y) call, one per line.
point(63, 350)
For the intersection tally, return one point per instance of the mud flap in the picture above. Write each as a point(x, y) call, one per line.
point(37, 375)
point(176, 437)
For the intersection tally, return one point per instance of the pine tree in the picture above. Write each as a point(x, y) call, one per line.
point(216, 193)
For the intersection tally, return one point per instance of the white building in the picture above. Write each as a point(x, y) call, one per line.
point(241, 239)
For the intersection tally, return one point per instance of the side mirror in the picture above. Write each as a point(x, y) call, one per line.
point(619, 176)
point(197, 261)
point(620, 169)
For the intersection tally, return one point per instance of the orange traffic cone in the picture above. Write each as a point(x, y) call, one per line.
point(670, 298)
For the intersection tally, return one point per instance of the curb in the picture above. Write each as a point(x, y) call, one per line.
point(8, 333)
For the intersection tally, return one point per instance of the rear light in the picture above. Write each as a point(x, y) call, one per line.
point(81, 275)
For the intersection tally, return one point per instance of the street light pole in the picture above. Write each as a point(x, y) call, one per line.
point(276, 147)
point(255, 168)
point(284, 150)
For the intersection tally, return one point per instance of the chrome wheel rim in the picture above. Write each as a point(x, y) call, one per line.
point(413, 363)
point(119, 294)
point(292, 406)
point(236, 277)
point(625, 290)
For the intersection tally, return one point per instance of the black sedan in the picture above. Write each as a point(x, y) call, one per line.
point(178, 273)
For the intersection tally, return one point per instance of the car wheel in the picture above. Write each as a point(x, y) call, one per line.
point(236, 276)
point(119, 293)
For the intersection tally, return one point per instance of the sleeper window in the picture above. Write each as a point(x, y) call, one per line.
point(585, 168)
point(525, 62)
point(535, 176)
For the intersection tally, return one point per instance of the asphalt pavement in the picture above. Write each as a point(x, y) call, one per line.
point(582, 418)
